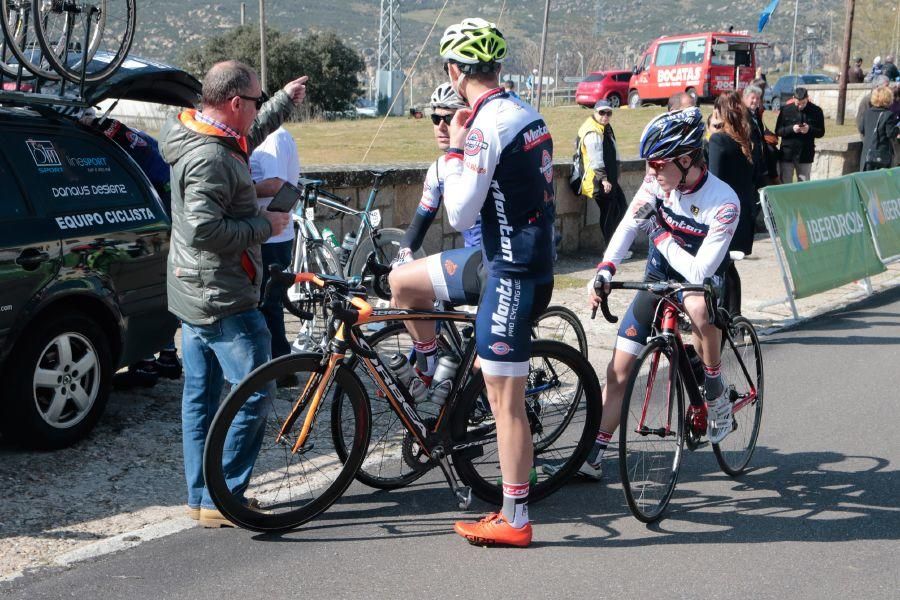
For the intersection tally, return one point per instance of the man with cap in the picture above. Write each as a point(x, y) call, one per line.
point(600, 165)
point(799, 124)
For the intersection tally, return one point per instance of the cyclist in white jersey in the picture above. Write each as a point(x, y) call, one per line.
point(693, 220)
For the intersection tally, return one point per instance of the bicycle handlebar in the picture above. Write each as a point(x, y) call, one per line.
point(659, 288)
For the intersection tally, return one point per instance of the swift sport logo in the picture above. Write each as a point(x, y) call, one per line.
point(44, 155)
point(547, 166)
point(803, 233)
point(500, 348)
point(503, 221)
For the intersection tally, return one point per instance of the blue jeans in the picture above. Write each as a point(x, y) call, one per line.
point(227, 349)
point(276, 253)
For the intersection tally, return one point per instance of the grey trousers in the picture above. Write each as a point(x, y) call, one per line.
point(787, 169)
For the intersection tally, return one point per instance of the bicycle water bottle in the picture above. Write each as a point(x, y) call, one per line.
point(400, 367)
point(329, 238)
point(443, 379)
point(347, 247)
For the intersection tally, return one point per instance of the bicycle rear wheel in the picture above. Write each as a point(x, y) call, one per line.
point(289, 487)
point(386, 248)
point(742, 371)
point(651, 432)
point(560, 324)
point(20, 40)
point(568, 390)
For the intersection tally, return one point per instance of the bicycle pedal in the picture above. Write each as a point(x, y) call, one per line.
point(463, 497)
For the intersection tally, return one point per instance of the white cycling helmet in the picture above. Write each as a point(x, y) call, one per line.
point(444, 97)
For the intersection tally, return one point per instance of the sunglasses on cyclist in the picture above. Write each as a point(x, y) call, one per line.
point(436, 119)
point(259, 100)
point(658, 164)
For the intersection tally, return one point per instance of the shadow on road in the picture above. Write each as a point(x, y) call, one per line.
point(820, 496)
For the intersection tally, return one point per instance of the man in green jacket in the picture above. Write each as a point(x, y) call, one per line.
point(215, 265)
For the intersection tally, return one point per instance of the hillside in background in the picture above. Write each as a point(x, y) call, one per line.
point(608, 34)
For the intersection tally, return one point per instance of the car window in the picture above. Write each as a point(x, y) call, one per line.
point(692, 52)
point(64, 172)
point(626, 77)
point(13, 204)
point(594, 77)
point(667, 54)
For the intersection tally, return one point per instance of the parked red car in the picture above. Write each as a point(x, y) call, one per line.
point(609, 85)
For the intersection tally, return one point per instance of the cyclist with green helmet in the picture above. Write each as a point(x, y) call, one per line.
point(500, 168)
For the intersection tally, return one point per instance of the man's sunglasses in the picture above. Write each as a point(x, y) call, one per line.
point(658, 164)
point(259, 100)
point(436, 119)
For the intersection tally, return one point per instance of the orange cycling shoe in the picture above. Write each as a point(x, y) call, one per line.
point(494, 530)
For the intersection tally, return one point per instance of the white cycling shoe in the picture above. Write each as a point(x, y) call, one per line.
point(586, 469)
point(719, 420)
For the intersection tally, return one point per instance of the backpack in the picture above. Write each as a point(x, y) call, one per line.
point(577, 168)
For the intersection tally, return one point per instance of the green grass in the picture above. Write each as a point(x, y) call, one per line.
point(408, 140)
point(567, 282)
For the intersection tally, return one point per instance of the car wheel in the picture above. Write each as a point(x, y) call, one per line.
point(60, 375)
point(776, 104)
point(634, 99)
point(614, 100)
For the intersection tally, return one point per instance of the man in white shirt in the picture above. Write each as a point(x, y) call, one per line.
point(272, 163)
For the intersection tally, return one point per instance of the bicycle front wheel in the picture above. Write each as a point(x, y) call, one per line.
point(253, 475)
point(560, 324)
point(651, 432)
point(742, 371)
point(561, 387)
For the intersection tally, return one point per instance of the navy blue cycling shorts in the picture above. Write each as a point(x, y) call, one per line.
point(457, 275)
point(506, 313)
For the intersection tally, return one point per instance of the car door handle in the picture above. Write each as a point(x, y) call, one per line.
point(31, 259)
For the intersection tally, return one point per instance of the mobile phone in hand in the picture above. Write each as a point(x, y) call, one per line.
point(286, 199)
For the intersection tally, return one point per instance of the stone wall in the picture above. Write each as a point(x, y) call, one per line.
point(825, 96)
point(577, 219)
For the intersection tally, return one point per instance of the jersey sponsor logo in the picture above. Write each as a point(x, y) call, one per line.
point(728, 213)
point(134, 140)
point(535, 136)
point(475, 143)
point(503, 222)
point(547, 166)
point(500, 348)
point(450, 267)
point(683, 225)
point(631, 331)
point(474, 167)
point(503, 317)
point(695, 210)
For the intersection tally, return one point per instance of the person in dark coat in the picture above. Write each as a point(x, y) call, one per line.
point(798, 125)
point(879, 129)
point(890, 69)
point(731, 160)
point(855, 74)
point(752, 100)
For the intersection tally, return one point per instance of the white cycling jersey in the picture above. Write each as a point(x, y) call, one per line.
point(698, 223)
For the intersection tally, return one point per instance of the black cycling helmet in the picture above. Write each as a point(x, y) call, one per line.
point(673, 135)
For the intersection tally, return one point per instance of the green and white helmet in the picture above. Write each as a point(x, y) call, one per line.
point(473, 43)
point(444, 97)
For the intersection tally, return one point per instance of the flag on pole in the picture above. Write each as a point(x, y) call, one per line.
point(767, 13)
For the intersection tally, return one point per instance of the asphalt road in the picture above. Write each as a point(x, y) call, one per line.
point(818, 517)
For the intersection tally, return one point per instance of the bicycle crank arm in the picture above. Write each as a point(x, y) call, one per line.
point(462, 493)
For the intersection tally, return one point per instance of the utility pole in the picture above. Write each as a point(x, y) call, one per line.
point(243, 13)
point(540, 77)
point(262, 44)
point(845, 63)
point(794, 36)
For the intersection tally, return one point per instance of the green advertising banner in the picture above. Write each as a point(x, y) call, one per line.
point(824, 233)
point(880, 194)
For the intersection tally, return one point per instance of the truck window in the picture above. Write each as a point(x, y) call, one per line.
point(667, 54)
point(692, 52)
point(731, 53)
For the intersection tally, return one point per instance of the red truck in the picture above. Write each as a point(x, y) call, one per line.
point(702, 64)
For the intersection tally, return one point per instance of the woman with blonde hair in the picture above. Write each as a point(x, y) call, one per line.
point(731, 160)
point(879, 129)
